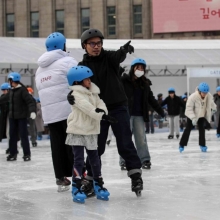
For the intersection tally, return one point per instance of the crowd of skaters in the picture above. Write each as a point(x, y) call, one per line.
point(101, 97)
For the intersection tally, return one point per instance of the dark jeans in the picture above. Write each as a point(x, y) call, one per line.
point(122, 132)
point(32, 130)
point(189, 126)
point(218, 126)
point(93, 156)
point(150, 124)
point(18, 126)
point(61, 153)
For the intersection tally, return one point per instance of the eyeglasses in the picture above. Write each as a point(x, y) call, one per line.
point(93, 44)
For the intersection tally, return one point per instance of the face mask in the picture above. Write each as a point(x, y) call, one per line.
point(138, 73)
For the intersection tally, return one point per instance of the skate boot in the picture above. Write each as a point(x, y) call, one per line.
point(146, 164)
point(39, 138)
point(87, 187)
point(170, 137)
point(26, 157)
point(101, 192)
point(11, 157)
point(7, 151)
point(108, 142)
point(203, 148)
point(78, 195)
point(136, 184)
point(123, 166)
point(181, 149)
point(63, 184)
point(218, 135)
point(177, 136)
point(34, 144)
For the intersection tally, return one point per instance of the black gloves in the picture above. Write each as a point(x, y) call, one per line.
point(71, 98)
point(109, 119)
point(99, 110)
point(128, 48)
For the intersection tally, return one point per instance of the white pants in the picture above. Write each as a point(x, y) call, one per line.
point(174, 124)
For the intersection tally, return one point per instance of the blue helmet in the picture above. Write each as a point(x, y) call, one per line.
point(138, 61)
point(55, 41)
point(203, 87)
point(14, 76)
point(171, 89)
point(184, 96)
point(218, 89)
point(5, 86)
point(78, 73)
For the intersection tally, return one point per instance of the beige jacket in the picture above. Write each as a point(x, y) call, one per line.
point(193, 106)
point(83, 119)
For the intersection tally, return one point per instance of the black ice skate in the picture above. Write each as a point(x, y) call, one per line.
point(146, 165)
point(87, 187)
point(170, 137)
point(123, 166)
point(136, 184)
point(34, 144)
point(12, 157)
point(108, 142)
point(26, 157)
point(177, 136)
point(63, 184)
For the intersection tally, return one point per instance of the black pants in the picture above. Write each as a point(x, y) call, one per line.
point(218, 126)
point(93, 157)
point(185, 137)
point(61, 153)
point(150, 124)
point(122, 132)
point(18, 126)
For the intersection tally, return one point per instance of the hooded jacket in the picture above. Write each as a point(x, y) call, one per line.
point(147, 97)
point(193, 106)
point(106, 76)
point(52, 85)
point(83, 119)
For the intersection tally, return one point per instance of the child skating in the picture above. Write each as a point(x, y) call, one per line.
point(199, 109)
point(83, 127)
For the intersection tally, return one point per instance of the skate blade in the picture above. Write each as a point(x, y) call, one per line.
point(138, 193)
point(79, 201)
point(63, 188)
point(102, 198)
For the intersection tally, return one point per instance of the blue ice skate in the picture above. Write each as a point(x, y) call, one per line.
point(39, 138)
point(203, 148)
point(181, 149)
point(101, 193)
point(78, 195)
point(218, 135)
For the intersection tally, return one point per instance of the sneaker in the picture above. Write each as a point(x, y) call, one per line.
point(146, 164)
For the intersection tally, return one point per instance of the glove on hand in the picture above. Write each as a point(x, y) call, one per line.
point(98, 110)
point(194, 121)
point(33, 115)
point(128, 48)
point(109, 119)
point(71, 98)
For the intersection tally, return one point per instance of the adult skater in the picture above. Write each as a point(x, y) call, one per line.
point(217, 114)
point(199, 109)
point(52, 86)
point(83, 129)
point(140, 98)
point(173, 103)
point(21, 107)
point(105, 66)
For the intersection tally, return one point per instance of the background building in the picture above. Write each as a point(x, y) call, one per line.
point(117, 19)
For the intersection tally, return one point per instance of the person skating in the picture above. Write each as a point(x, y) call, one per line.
point(21, 107)
point(52, 86)
point(83, 129)
point(199, 109)
point(140, 98)
point(217, 114)
point(173, 103)
point(105, 66)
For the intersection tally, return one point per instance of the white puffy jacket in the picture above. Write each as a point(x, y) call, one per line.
point(193, 106)
point(83, 119)
point(52, 85)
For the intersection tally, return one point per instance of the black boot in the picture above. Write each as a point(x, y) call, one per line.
point(146, 164)
point(136, 183)
point(177, 136)
point(170, 137)
point(11, 157)
point(123, 166)
point(27, 157)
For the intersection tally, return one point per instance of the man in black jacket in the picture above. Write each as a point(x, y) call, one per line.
point(173, 103)
point(105, 66)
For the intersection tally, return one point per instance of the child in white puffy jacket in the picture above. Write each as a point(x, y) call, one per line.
point(83, 127)
point(199, 109)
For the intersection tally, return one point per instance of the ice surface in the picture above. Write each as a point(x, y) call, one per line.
point(179, 186)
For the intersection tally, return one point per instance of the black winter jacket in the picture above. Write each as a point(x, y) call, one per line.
point(21, 103)
point(4, 109)
point(148, 97)
point(173, 105)
point(106, 76)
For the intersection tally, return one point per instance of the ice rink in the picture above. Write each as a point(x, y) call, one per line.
point(178, 187)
